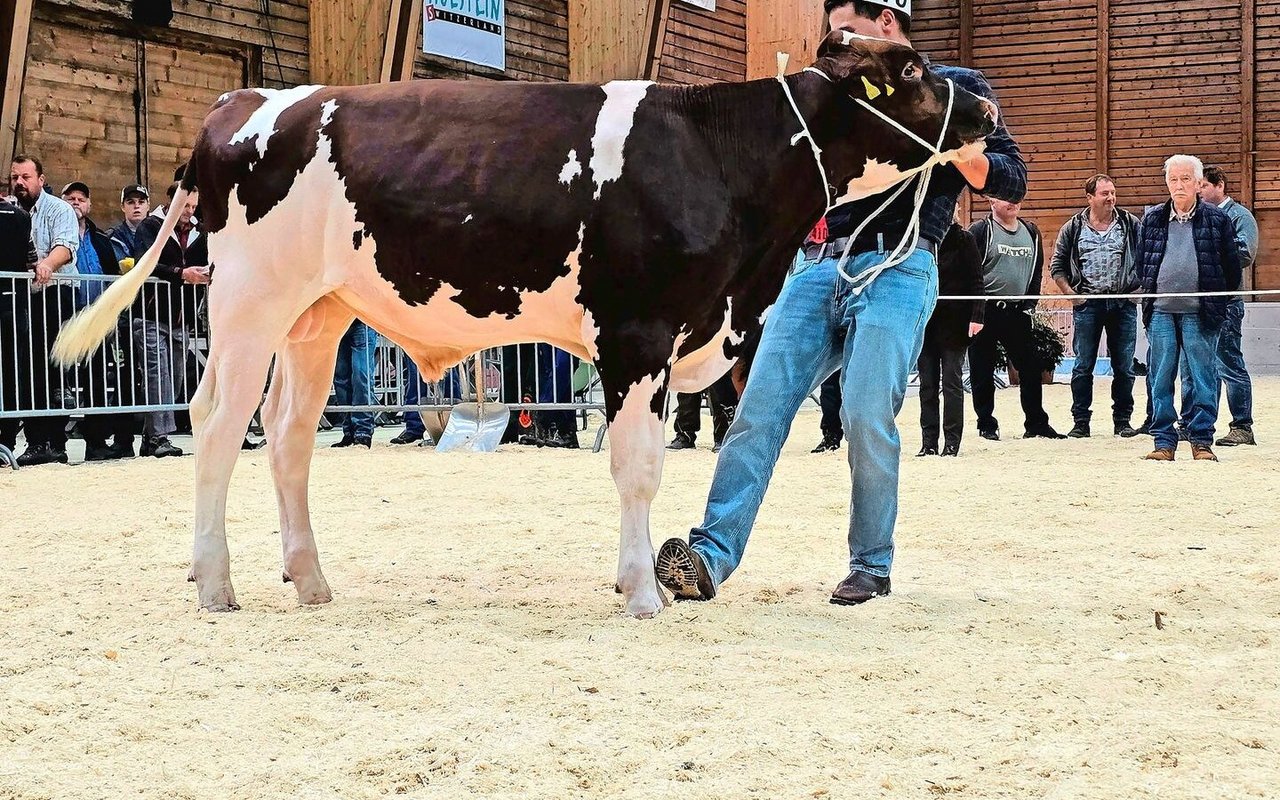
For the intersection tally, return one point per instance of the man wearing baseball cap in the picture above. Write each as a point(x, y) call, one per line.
point(819, 324)
point(135, 203)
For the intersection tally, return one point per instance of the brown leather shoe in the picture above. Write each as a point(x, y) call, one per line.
point(1159, 454)
point(1202, 452)
point(683, 571)
point(859, 587)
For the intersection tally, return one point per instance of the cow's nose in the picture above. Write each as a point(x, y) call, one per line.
point(990, 110)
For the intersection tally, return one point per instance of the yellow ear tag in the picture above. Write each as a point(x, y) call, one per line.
point(872, 91)
point(888, 89)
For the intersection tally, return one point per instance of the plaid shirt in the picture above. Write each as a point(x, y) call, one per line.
point(1006, 180)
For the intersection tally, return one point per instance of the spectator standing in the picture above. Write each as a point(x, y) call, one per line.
point(135, 204)
point(953, 323)
point(1231, 367)
point(1096, 254)
point(17, 254)
point(56, 236)
point(96, 257)
point(723, 400)
point(353, 383)
point(1012, 265)
point(1185, 245)
point(830, 425)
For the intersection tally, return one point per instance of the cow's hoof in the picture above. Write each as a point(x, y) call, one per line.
point(221, 599)
point(313, 589)
point(218, 608)
point(315, 598)
point(646, 606)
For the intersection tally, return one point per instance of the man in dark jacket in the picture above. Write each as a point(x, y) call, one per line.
point(17, 254)
point(1012, 265)
point(1185, 245)
point(160, 325)
point(105, 376)
point(946, 338)
point(1095, 254)
point(135, 204)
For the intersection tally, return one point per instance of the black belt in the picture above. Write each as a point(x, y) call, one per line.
point(832, 248)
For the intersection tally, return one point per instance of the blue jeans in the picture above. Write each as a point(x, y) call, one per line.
point(416, 390)
point(1231, 371)
point(816, 327)
point(353, 378)
point(1172, 336)
point(1119, 319)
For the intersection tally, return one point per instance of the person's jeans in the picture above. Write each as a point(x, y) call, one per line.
point(555, 385)
point(161, 352)
point(816, 326)
point(1231, 372)
point(1119, 320)
point(353, 378)
point(416, 390)
point(941, 367)
point(1010, 327)
point(1172, 335)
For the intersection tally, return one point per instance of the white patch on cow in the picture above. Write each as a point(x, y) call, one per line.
point(848, 38)
point(326, 112)
point(468, 219)
point(571, 169)
point(590, 334)
point(613, 126)
point(697, 370)
point(875, 178)
point(262, 123)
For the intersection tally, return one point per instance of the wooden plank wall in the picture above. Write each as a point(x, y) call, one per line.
point(537, 46)
point(792, 28)
point(704, 46)
point(347, 40)
point(607, 40)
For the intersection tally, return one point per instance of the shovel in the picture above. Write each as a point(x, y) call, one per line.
point(477, 426)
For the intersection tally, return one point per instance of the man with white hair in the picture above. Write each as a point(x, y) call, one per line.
point(1185, 246)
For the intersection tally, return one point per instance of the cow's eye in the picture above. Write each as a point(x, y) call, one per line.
point(910, 71)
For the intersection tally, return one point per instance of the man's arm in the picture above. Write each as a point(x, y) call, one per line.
point(1231, 266)
point(1247, 239)
point(998, 172)
point(971, 264)
point(1037, 270)
point(62, 250)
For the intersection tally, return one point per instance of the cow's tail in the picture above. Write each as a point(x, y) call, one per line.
point(85, 331)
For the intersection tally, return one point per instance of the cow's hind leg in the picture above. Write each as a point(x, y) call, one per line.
point(243, 338)
point(299, 389)
point(635, 456)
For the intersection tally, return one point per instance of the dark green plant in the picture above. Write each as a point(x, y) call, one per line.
point(1046, 342)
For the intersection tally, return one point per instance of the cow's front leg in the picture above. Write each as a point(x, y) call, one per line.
point(635, 456)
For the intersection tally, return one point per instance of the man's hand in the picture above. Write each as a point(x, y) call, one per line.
point(975, 328)
point(44, 275)
point(966, 153)
point(195, 275)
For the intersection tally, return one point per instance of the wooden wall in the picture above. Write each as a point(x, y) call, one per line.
point(792, 28)
point(607, 39)
point(537, 46)
point(347, 41)
point(702, 46)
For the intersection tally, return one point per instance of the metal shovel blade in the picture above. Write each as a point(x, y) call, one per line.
point(477, 427)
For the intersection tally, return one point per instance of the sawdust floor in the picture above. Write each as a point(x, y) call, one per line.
point(475, 646)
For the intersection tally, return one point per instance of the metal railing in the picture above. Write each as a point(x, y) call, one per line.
point(155, 358)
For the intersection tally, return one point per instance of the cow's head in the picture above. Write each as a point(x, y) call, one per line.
point(897, 81)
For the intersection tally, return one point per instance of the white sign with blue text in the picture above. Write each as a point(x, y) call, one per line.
point(468, 30)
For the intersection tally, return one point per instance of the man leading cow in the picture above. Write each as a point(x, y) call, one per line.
point(820, 324)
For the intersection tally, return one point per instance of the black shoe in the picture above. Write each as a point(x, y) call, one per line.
point(346, 441)
point(859, 587)
point(715, 448)
point(1043, 432)
point(159, 447)
point(681, 570)
point(98, 451)
point(406, 437)
point(927, 450)
point(363, 441)
point(1125, 430)
point(556, 438)
point(951, 449)
point(38, 454)
point(1139, 369)
point(123, 448)
point(829, 442)
point(1079, 431)
point(1183, 434)
point(993, 434)
point(681, 442)
point(1144, 429)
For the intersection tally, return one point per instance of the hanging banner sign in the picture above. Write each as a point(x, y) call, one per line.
point(468, 30)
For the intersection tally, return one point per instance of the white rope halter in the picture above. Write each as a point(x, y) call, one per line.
point(925, 171)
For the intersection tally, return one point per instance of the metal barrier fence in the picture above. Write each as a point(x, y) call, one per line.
point(158, 352)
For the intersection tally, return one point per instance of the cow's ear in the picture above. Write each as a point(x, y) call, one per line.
point(843, 55)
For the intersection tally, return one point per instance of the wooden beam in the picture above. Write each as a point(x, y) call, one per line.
point(656, 25)
point(15, 35)
point(1102, 82)
point(1248, 113)
point(966, 33)
point(404, 20)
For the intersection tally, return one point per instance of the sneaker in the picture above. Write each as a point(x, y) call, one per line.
point(682, 570)
point(1159, 454)
point(927, 450)
point(829, 442)
point(1202, 452)
point(1237, 436)
point(123, 448)
point(1043, 432)
point(159, 447)
point(681, 442)
point(38, 454)
point(993, 434)
point(406, 437)
point(1079, 431)
point(1125, 430)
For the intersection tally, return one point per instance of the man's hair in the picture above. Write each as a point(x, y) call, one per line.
point(1091, 185)
point(172, 190)
point(1180, 160)
point(869, 10)
point(1216, 176)
point(24, 159)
